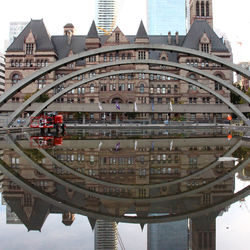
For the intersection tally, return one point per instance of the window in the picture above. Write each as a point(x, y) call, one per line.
point(41, 82)
point(206, 99)
point(123, 56)
point(105, 57)
point(202, 9)
point(151, 89)
point(207, 8)
point(130, 87)
point(129, 56)
point(29, 48)
point(121, 87)
point(197, 8)
point(103, 87)
point(205, 47)
point(141, 55)
point(142, 88)
point(192, 100)
point(92, 88)
point(169, 89)
point(158, 90)
point(110, 57)
point(159, 100)
point(163, 89)
point(217, 86)
point(117, 56)
point(15, 78)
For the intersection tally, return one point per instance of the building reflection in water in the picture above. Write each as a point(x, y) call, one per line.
point(143, 179)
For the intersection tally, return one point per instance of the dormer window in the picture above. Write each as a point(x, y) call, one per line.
point(205, 47)
point(29, 48)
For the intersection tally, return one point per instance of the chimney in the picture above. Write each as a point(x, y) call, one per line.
point(176, 37)
point(169, 37)
point(69, 31)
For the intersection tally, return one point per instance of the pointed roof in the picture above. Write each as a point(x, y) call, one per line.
point(198, 28)
point(141, 33)
point(38, 29)
point(93, 31)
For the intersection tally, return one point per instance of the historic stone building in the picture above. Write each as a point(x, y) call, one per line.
point(154, 93)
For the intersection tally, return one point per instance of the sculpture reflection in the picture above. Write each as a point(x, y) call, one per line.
point(140, 181)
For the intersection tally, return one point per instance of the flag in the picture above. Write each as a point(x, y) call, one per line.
point(135, 107)
point(117, 146)
point(117, 106)
point(135, 145)
point(170, 106)
point(171, 145)
point(100, 106)
point(99, 146)
point(152, 106)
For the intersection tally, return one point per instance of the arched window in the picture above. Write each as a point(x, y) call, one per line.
point(92, 88)
point(15, 78)
point(163, 89)
point(151, 89)
point(202, 9)
point(142, 88)
point(197, 8)
point(190, 86)
point(110, 57)
point(218, 86)
point(207, 8)
point(158, 90)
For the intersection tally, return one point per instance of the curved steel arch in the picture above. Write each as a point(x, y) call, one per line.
point(127, 219)
point(115, 198)
point(24, 105)
point(23, 83)
point(185, 79)
point(158, 185)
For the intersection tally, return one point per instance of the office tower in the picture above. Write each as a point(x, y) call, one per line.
point(166, 15)
point(106, 235)
point(2, 73)
point(170, 235)
point(106, 16)
point(15, 29)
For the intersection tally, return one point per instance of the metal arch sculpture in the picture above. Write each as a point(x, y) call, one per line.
point(127, 219)
point(120, 199)
point(185, 79)
point(24, 105)
point(23, 83)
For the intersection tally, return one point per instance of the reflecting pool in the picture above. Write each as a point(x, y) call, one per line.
point(125, 189)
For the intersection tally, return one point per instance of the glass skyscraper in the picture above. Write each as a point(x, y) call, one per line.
point(166, 15)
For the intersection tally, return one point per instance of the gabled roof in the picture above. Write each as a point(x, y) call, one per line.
point(198, 28)
point(43, 41)
point(62, 47)
point(141, 33)
point(93, 31)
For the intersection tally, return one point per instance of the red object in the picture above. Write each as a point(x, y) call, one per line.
point(45, 141)
point(45, 121)
point(229, 117)
point(229, 137)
